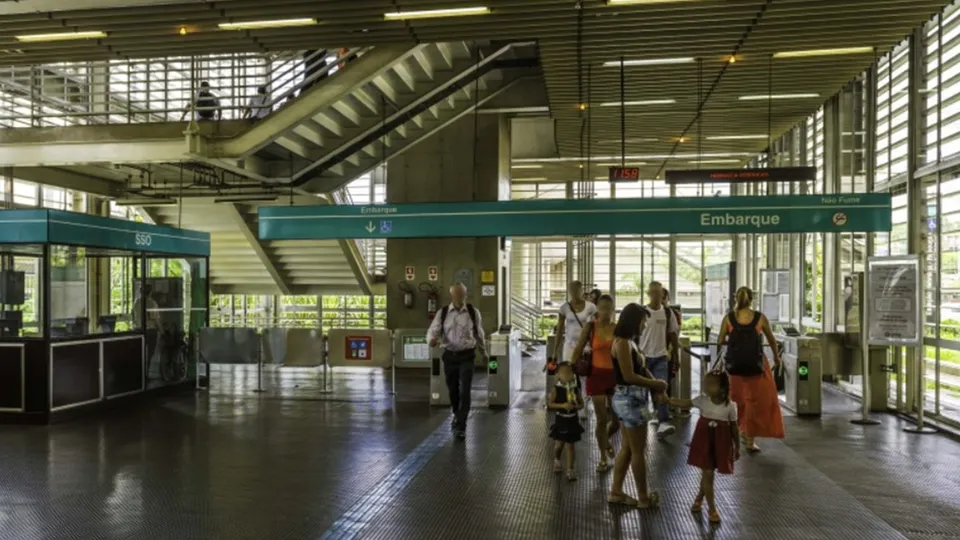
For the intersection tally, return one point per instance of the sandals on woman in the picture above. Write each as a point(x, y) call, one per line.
point(653, 501)
point(622, 498)
point(697, 505)
point(571, 476)
point(603, 466)
point(714, 517)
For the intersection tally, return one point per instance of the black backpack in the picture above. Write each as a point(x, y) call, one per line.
point(473, 318)
point(206, 105)
point(744, 355)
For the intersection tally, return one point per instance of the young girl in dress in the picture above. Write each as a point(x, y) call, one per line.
point(566, 429)
point(716, 439)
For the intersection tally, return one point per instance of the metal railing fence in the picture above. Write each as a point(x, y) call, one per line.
point(157, 89)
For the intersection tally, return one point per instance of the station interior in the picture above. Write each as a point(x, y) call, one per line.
point(226, 227)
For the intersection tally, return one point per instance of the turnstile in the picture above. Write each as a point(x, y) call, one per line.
point(504, 369)
point(439, 395)
point(803, 374)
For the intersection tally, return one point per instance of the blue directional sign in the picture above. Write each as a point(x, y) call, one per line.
point(855, 212)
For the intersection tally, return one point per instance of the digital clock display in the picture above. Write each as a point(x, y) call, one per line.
point(624, 174)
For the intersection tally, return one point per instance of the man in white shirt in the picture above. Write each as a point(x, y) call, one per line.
point(660, 331)
point(458, 329)
point(257, 107)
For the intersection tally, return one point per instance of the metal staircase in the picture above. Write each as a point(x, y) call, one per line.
point(241, 263)
point(380, 107)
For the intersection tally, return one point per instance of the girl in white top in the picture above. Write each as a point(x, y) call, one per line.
point(716, 439)
point(574, 315)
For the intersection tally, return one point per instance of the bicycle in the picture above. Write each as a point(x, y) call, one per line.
point(174, 355)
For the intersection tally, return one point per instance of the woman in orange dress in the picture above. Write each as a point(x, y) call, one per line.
point(758, 407)
point(601, 381)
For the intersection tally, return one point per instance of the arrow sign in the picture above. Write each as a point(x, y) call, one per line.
point(370, 228)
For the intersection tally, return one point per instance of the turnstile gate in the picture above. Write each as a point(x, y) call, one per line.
point(504, 369)
point(439, 395)
point(803, 375)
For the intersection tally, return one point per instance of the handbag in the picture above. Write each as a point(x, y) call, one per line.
point(584, 364)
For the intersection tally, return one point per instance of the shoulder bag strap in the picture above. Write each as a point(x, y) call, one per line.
point(575, 316)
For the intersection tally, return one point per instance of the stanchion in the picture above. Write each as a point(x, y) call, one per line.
point(259, 389)
point(920, 428)
point(862, 290)
point(326, 366)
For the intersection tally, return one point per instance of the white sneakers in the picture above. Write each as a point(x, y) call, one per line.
point(665, 429)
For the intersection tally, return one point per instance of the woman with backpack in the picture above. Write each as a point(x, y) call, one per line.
point(752, 385)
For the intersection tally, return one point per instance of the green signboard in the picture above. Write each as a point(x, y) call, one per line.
point(683, 215)
point(70, 228)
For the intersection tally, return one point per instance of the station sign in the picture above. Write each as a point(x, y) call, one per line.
point(741, 176)
point(841, 213)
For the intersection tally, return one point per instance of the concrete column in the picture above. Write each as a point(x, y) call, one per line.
point(832, 162)
point(916, 204)
point(467, 161)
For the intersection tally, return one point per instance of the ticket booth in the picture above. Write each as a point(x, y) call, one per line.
point(95, 311)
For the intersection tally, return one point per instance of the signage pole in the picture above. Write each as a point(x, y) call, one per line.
point(326, 366)
point(259, 389)
point(863, 288)
point(393, 368)
point(920, 428)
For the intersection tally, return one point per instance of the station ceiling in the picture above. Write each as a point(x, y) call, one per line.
point(580, 44)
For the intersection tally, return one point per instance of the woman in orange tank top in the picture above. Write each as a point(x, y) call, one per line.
point(598, 335)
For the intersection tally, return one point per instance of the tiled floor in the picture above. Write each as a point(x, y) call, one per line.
point(292, 463)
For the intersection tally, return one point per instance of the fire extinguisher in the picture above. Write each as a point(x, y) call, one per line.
point(407, 291)
point(432, 297)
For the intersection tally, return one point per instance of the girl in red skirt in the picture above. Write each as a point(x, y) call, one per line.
point(716, 439)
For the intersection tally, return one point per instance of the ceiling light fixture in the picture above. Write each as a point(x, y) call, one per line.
point(737, 137)
point(61, 36)
point(526, 166)
point(650, 62)
point(641, 102)
point(628, 141)
point(824, 52)
point(714, 161)
point(634, 164)
point(436, 13)
point(767, 97)
point(276, 23)
point(538, 179)
point(183, 30)
point(637, 2)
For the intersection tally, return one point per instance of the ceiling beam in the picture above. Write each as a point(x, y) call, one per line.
point(66, 179)
point(251, 237)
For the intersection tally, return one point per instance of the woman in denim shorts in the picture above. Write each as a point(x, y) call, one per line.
point(630, 404)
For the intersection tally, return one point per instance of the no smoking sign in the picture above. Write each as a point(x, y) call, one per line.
point(839, 219)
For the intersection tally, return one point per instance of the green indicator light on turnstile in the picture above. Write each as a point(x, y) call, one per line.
point(492, 365)
point(803, 371)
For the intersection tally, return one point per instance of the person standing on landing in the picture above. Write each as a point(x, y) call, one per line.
point(660, 334)
point(752, 386)
point(458, 329)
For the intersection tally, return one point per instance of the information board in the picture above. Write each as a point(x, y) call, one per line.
point(416, 349)
point(893, 301)
point(775, 294)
